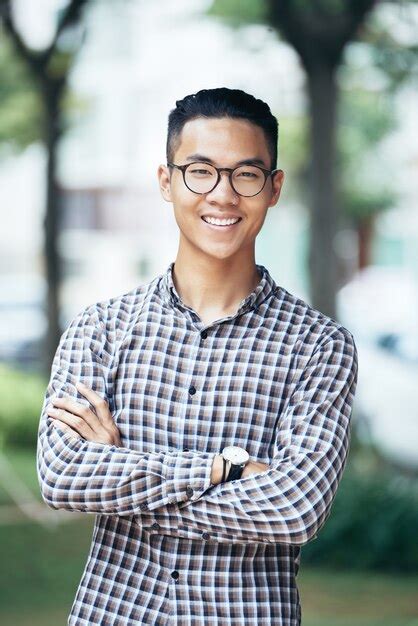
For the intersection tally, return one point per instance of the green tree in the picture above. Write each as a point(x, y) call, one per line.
point(49, 70)
point(366, 117)
point(389, 42)
point(20, 105)
point(320, 32)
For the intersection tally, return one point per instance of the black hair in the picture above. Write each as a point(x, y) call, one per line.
point(222, 102)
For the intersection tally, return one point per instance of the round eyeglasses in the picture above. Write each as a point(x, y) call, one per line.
point(245, 180)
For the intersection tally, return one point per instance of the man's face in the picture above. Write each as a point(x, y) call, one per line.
point(223, 142)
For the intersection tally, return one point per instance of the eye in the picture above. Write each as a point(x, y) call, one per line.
point(247, 175)
point(199, 171)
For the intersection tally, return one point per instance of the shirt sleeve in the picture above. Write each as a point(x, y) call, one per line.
point(290, 502)
point(81, 475)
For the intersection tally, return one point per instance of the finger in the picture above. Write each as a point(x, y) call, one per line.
point(67, 428)
point(75, 422)
point(78, 409)
point(99, 403)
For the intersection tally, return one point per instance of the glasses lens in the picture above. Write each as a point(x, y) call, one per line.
point(248, 180)
point(200, 177)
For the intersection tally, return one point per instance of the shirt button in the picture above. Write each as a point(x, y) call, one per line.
point(189, 492)
point(175, 574)
point(156, 526)
point(192, 390)
point(205, 535)
point(203, 334)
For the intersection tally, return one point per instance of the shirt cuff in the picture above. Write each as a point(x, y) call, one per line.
point(187, 475)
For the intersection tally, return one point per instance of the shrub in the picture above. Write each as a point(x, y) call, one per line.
point(20, 407)
point(372, 526)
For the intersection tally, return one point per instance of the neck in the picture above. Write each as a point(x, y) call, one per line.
point(214, 286)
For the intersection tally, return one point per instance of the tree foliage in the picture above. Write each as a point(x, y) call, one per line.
point(366, 114)
point(366, 118)
point(20, 104)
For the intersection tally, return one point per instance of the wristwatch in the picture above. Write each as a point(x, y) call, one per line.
point(235, 458)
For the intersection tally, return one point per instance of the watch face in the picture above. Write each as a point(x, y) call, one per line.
point(235, 454)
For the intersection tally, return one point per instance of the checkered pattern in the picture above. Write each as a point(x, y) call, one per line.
point(169, 548)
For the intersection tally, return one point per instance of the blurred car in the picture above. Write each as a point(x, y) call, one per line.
point(380, 308)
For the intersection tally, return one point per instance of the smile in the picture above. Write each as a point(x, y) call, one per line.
point(225, 224)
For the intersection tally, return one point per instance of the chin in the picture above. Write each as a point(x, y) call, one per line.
point(221, 255)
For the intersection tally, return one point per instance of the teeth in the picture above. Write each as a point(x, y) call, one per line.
point(218, 222)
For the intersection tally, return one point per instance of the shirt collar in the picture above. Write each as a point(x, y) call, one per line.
point(264, 289)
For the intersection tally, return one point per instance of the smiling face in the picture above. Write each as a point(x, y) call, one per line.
point(223, 142)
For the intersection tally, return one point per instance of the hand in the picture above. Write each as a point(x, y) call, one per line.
point(82, 422)
point(254, 467)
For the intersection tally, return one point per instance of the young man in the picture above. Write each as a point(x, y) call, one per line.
point(213, 428)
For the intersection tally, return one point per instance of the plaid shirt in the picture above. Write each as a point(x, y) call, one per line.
point(169, 548)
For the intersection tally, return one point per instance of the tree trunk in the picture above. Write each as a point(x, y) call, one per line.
point(52, 79)
point(365, 229)
point(51, 96)
point(323, 271)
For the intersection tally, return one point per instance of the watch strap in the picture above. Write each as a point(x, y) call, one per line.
point(224, 470)
point(235, 472)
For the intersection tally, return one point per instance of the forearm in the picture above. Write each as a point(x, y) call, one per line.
point(217, 469)
point(274, 506)
point(290, 501)
point(80, 475)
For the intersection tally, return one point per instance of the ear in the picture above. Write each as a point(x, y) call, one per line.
point(163, 174)
point(277, 183)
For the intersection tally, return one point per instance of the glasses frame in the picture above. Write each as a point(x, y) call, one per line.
point(267, 173)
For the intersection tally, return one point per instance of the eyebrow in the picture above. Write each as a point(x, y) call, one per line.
point(202, 157)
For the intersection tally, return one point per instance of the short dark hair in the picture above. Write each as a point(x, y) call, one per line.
point(222, 102)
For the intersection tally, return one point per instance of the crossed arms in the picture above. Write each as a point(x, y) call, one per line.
point(288, 503)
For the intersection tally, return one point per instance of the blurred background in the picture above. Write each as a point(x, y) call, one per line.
point(85, 91)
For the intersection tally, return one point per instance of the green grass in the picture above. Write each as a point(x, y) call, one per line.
point(46, 617)
point(41, 568)
point(333, 598)
point(23, 463)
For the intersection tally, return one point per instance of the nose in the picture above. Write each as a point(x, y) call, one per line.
point(223, 190)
